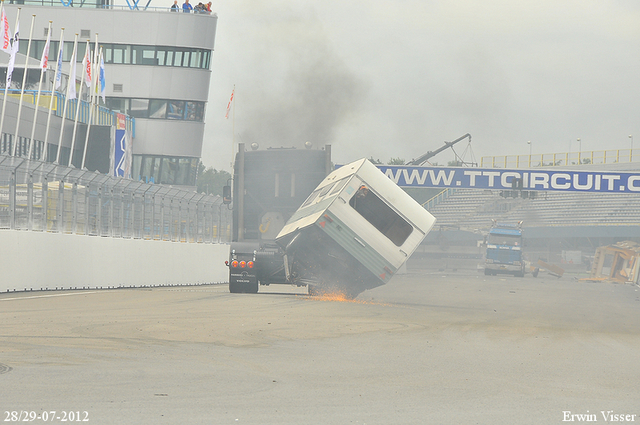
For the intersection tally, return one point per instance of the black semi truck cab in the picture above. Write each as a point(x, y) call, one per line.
point(268, 187)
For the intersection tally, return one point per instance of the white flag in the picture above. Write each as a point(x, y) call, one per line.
point(103, 84)
point(72, 73)
point(86, 63)
point(15, 45)
point(5, 33)
point(59, 65)
point(44, 61)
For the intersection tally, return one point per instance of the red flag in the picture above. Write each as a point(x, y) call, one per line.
point(86, 62)
point(44, 62)
point(5, 33)
point(229, 105)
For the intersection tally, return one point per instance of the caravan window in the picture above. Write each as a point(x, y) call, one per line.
point(318, 194)
point(381, 215)
point(339, 185)
point(311, 198)
point(325, 190)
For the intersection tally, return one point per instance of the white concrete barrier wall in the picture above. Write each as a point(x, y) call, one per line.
point(35, 260)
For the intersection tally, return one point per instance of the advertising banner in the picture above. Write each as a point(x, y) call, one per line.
point(502, 179)
point(122, 149)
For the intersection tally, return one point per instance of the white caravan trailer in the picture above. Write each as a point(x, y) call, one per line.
point(353, 232)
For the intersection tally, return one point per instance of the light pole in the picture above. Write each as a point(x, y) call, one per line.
point(529, 143)
point(579, 151)
point(631, 148)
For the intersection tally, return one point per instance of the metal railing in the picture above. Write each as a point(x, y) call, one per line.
point(100, 4)
point(44, 197)
point(440, 197)
point(562, 159)
point(101, 115)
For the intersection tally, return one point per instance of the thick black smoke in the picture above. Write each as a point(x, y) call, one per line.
point(304, 90)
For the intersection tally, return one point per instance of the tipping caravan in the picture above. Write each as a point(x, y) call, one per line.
point(353, 233)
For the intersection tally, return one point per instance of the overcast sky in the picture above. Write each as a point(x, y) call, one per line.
point(394, 79)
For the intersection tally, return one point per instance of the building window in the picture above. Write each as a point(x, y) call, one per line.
point(169, 61)
point(121, 55)
point(160, 56)
point(139, 108)
point(177, 58)
point(195, 111)
point(157, 108)
point(128, 54)
point(145, 55)
point(117, 104)
point(175, 110)
point(165, 170)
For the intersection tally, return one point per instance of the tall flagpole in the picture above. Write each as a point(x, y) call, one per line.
point(44, 64)
point(6, 86)
point(53, 93)
point(24, 83)
point(92, 97)
point(71, 81)
point(78, 104)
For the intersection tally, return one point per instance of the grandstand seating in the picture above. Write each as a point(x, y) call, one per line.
point(470, 209)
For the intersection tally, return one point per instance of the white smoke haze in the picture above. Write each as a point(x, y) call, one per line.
point(396, 79)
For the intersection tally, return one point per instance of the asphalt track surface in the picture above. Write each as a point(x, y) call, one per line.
point(428, 348)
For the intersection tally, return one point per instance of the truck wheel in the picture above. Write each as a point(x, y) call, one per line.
point(487, 272)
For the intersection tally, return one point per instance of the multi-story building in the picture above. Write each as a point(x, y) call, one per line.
point(157, 66)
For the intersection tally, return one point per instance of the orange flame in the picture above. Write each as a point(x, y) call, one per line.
point(340, 297)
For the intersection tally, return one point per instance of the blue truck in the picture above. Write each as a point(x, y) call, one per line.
point(504, 252)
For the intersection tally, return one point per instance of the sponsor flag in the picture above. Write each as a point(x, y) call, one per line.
point(5, 33)
point(86, 63)
point(15, 45)
point(103, 83)
point(229, 104)
point(44, 61)
point(59, 65)
point(72, 72)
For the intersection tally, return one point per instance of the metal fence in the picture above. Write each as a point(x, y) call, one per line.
point(100, 4)
point(44, 197)
point(561, 159)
